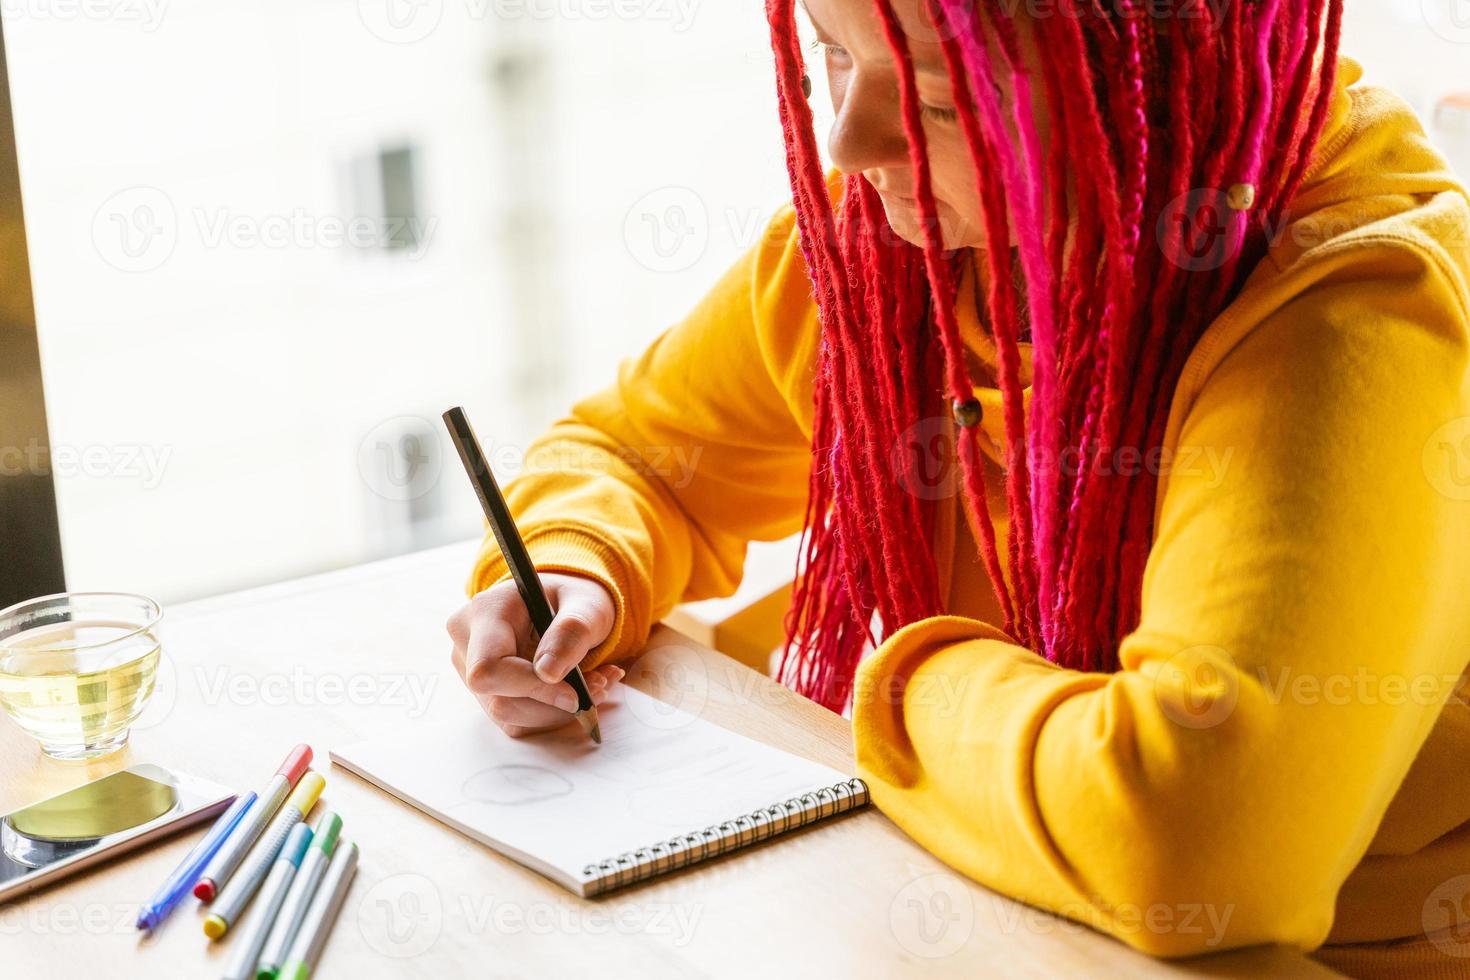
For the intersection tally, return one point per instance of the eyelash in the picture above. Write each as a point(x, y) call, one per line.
point(935, 113)
point(939, 114)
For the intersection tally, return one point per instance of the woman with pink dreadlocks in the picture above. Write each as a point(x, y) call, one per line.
point(1184, 623)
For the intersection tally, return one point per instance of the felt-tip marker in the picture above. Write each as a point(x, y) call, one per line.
point(306, 948)
point(177, 885)
point(303, 887)
point(257, 924)
point(232, 899)
point(228, 857)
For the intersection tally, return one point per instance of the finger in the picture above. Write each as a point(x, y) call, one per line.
point(525, 713)
point(513, 677)
point(578, 627)
point(607, 675)
point(458, 626)
point(533, 717)
point(496, 632)
point(491, 642)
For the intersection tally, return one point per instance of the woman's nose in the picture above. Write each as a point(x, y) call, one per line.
point(868, 131)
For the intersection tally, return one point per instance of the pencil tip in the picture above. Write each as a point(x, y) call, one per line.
point(589, 722)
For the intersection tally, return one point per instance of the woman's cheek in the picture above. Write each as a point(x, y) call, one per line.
point(954, 181)
point(963, 226)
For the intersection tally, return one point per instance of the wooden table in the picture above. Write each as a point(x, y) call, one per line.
point(337, 657)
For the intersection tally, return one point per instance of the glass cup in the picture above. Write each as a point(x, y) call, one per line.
point(77, 669)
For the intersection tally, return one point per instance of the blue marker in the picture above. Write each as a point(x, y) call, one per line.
point(171, 891)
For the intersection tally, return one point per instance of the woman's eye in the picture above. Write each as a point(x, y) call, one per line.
point(940, 114)
point(829, 49)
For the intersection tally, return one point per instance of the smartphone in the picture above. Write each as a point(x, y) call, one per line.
point(55, 837)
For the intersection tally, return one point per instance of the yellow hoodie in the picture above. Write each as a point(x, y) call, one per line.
point(1279, 760)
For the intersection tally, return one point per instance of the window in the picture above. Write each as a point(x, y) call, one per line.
point(271, 244)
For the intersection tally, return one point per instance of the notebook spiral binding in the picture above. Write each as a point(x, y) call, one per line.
point(711, 842)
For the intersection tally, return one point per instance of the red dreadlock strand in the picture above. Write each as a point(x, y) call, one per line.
point(941, 278)
point(1093, 216)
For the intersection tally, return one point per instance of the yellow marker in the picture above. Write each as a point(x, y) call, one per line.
point(257, 864)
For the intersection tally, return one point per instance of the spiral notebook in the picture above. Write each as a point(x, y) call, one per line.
point(665, 790)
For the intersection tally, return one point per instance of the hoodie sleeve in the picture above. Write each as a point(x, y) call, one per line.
point(654, 485)
point(1303, 621)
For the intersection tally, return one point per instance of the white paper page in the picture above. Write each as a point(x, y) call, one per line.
point(659, 773)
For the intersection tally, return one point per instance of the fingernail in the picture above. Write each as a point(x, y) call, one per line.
point(567, 702)
point(546, 667)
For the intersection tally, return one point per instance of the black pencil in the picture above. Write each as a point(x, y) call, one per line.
point(516, 556)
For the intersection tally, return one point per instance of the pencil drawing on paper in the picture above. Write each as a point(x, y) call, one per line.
point(515, 785)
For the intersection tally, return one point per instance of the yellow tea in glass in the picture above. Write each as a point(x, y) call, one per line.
point(76, 670)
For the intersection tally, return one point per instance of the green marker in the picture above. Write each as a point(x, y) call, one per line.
point(257, 922)
point(303, 886)
point(306, 948)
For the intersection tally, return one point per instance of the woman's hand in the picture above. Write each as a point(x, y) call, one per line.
point(494, 645)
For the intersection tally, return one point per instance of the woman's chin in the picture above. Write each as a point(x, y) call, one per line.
point(907, 224)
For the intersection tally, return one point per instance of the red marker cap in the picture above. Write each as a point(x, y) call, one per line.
point(204, 890)
point(296, 763)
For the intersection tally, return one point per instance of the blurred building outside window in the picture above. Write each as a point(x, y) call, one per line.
point(271, 242)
